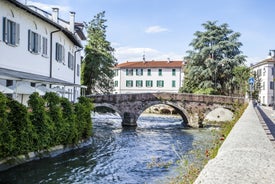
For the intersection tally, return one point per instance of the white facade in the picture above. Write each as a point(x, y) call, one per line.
point(38, 49)
point(149, 77)
point(264, 70)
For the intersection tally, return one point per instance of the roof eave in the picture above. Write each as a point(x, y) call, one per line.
point(69, 34)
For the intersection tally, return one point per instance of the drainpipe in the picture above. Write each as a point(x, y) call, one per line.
point(78, 50)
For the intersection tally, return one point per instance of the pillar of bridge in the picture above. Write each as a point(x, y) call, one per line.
point(129, 119)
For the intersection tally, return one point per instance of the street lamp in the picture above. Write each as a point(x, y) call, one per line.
point(273, 71)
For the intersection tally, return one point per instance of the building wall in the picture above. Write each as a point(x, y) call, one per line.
point(264, 72)
point(166, 77)
point(19, 57)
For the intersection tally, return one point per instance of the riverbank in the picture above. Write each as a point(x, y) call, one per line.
point(246, 156)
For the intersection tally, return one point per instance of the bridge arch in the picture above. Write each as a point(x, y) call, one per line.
point(115, 108)
point(182, 112)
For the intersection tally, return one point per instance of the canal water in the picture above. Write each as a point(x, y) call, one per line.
point(145, 154)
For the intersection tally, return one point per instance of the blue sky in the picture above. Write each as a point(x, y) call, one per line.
point(164, 28)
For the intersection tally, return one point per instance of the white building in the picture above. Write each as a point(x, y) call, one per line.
point(265, 72)
point(39, 52)
point(148, 76)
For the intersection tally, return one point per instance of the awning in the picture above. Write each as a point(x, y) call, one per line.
point(5, 90)
point(26, 89)
point(45, 89)
point(61, 90)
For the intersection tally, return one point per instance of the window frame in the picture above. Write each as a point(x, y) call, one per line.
point(11, 32)
point(173, 72)
point(44, 46)
point(59, 53)
point(70, 61)
point(34, 42)
point(160, 83)
point(139, 83)
point(149, 83)
point(160, 72)
point(129, 83)
point(149, 72)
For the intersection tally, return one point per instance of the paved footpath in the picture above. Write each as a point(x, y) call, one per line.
point(247, 155)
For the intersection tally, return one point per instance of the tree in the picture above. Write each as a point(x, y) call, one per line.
point(99, 60)
point(210, 65)
point(241, 75)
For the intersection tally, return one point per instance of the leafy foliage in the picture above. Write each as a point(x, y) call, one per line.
point(99, 60)
point(210, 65)
point(48, 122)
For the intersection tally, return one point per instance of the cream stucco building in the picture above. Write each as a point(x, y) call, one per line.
point(39, 51)
point(148, 76)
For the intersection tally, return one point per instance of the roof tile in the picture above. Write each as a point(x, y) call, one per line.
point(151, 64)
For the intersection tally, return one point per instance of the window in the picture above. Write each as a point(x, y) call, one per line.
point(33, 84)
point(139, 72)
point(174, 72)
point(149, 83)
point(77, 70)
point(160, 83)
point(259, 72)
point(70, 61)
point(11, 32)
point(271, 84)
point(129, 83)
point(149, 72)
point(263, 85)
point(44, 47)
point(116, 72)
point(129, 72)
point(173, 83)
point(160, 72)
point(60, 53)
point(139, 83)
point(116, 83)
point(9, 83)
point(34, 42)
point(272, 71)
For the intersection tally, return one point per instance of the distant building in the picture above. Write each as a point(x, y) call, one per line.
point(39, 52)
point(265, 71)
point(148, 76)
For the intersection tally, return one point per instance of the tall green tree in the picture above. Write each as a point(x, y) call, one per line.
point(209, 66)
point(97, 72)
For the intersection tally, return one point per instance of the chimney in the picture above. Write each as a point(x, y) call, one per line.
point(55, 14)
point(168, 60)
point(72, 21)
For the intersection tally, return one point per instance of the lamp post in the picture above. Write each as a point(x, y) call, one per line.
point(273, 71)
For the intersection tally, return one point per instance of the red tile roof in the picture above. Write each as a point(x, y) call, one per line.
point(151, 64)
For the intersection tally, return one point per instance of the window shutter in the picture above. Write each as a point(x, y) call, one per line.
point(56, 51)
point(17, 36)
point(63, 54)
point(29, 40)
point(5, 31)
point(39, 43)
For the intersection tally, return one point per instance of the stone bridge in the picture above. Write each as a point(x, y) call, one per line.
point(192, 108)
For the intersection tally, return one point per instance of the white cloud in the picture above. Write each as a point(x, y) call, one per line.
point(123, 54)
point(155, 29)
